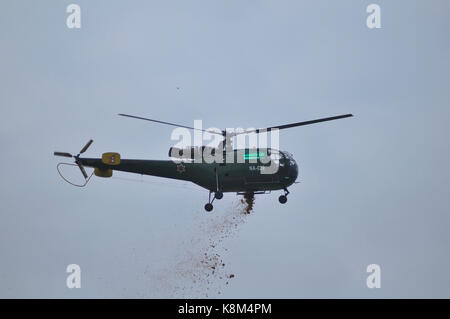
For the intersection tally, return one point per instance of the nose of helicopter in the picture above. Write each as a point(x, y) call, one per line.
point(290, 174)
point(293, 173)
point(292, 169)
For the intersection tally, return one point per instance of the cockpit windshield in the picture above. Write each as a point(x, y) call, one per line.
point(282, 158)
point(288, 159)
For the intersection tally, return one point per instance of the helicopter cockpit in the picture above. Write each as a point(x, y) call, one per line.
point(286, 159)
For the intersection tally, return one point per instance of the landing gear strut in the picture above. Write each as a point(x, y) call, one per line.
point(283, 198)
point(218, 194)
point(208, 205)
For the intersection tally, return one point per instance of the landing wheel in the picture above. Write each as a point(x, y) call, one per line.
point(218, 195)
point(208, 207)
point(282, 199)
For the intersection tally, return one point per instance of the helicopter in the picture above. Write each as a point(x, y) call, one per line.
point(246, 171)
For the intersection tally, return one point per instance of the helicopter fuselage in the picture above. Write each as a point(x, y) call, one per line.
point(249, 175)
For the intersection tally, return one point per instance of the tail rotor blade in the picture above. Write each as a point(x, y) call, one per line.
point(83, 171)
point(63, 154)
point(86, 146)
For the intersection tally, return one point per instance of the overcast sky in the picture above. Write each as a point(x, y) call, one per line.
point(374, 188)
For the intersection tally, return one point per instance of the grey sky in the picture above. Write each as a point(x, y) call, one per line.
point(374, 188)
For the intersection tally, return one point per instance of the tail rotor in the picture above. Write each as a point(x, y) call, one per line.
point(77, 157)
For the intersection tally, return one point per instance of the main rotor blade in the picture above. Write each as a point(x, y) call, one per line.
point(86, 146)
point(62, 154)
point(167, 123)
point(280, 127)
